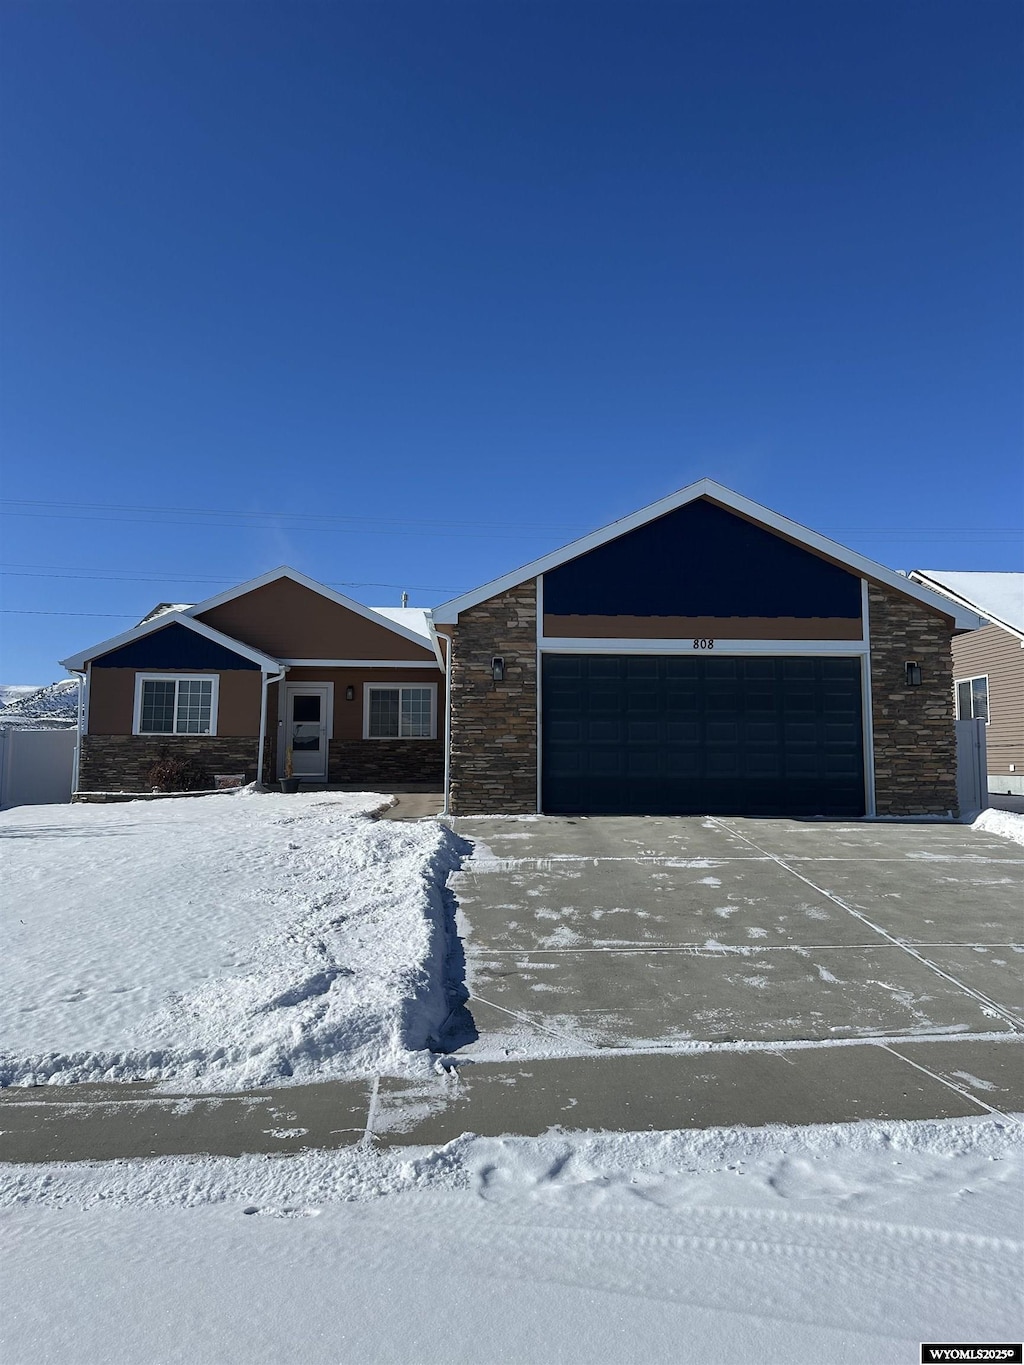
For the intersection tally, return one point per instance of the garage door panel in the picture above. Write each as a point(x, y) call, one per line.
point(682, 732)
point(680, 735)
point(681, 763)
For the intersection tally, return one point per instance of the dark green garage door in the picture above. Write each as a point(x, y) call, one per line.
point(692, 736)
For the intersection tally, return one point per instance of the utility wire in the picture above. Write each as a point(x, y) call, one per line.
point(154, 579)
point(169, 516)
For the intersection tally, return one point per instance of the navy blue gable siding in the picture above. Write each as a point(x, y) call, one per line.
point(174, 649)
point(701, 560)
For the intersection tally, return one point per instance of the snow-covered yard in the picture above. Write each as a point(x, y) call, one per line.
point(797, 1246)
point(222, 942)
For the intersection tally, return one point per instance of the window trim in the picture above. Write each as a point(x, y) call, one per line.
point(957, 683)
point(399, 685)
point(141, 678)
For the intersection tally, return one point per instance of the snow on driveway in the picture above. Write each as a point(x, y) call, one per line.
point(220, 942)
point(793, 1246)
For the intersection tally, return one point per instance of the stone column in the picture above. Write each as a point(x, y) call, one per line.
point(914, 727)
point(494, 724)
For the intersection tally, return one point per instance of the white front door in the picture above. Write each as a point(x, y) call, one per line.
point(306, 730)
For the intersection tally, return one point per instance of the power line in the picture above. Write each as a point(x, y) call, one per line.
point(346, 523)
point(960, 535)
point(438, 533)
point(120, 615)
point(154, 578)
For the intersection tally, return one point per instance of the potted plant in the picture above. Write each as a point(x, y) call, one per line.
point(289, 783)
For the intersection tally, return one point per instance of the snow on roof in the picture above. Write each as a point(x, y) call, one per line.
point(162, 608)
point(997, 596)
point(416, 619)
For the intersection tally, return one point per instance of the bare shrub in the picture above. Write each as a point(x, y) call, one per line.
point(176, 773)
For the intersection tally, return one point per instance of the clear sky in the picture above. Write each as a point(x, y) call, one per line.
point(406, 294)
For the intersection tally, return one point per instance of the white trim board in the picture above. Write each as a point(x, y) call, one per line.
point(449, 611)
point(338, 598)
point(78, 661)
point(685, 647)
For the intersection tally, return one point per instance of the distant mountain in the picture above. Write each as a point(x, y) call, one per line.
point(53, 707)
point(9, 694)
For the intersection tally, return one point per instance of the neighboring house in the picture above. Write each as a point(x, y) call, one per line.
point(702, 656)
point(988, 665)
point(280, 672)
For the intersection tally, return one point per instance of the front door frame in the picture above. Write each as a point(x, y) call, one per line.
point(285, 693)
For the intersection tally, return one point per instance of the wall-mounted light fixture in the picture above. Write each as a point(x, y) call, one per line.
point(913, 674)
point(350, 693)
point(498, 668)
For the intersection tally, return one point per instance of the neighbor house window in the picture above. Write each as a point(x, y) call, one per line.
point(972, 699)
point(400, 712)
point(170, 704)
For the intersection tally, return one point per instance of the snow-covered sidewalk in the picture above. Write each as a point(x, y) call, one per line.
point(836, 1243)
point(220, 942)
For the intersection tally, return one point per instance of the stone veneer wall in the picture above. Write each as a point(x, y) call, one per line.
point(379, 762)
point(914, 727)
point(120, 762)
point(494, 724)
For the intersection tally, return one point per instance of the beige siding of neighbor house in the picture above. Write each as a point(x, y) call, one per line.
point(290, 621)
point(997, 654)
point(112, 700)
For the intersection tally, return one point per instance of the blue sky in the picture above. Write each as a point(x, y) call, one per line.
point(407, 294)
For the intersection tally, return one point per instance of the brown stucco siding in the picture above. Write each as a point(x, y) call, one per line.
point(289, 621)
point(1000, 656)
point(348, 715)
point(914, 732)
point(494, 724)
point(120, 763)
point(703, 627)
point(112, 700)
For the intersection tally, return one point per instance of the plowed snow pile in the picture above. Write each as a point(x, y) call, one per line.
point(221, 942)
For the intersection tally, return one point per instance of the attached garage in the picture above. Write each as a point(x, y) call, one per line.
point(690, 736)
point(702, 656)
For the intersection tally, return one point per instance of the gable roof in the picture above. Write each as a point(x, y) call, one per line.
point(415, 637)
point(76, 662)
point(162, 608)
point(964, 619)
point(998, 597)
point(416, 619)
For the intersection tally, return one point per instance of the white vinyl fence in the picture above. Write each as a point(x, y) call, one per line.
point(971, 767)
point(36, 766)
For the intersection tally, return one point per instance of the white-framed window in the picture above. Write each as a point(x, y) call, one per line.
point(400, 711)
point(176, 704)
point(972, 698)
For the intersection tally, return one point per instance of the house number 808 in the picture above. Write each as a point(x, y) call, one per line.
point(703, 644)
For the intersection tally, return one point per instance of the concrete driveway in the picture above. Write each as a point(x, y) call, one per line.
point(673, 973)
point(632, 974)
point(649, 933)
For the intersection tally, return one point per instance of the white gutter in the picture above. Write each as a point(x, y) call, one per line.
point(80, 678)
point(267, 678)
